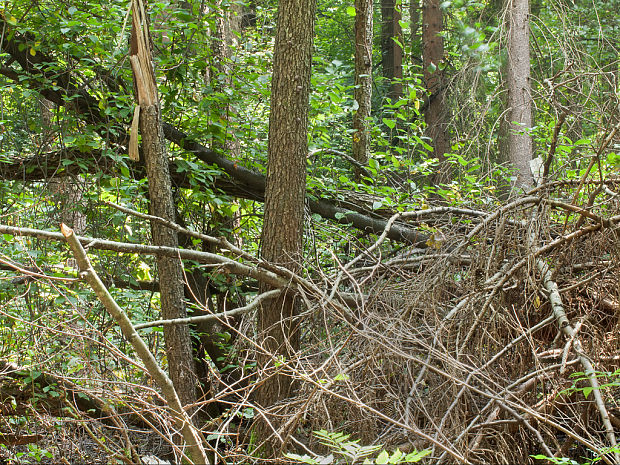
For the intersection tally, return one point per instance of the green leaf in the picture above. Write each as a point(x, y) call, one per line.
point(396, 456)
point(377, 204)
point(416, 456)
point(341, 377)
point(301, 458)
point(390, 123)
point(351, 11)
point(383, 457)
point(339, 215)
point(587, 390)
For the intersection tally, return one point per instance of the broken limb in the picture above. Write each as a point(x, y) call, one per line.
point(190, 434)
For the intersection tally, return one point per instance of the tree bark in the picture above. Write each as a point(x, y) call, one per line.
point(519, 98)
point(415, 12)
point(392, 52)
point(282, 235)
point(363, 81)
point(435, 115)
point(177, 338)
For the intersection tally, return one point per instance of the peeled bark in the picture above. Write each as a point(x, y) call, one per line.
point(190, 434)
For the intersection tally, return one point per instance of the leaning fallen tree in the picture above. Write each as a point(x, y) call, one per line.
point(61, 87)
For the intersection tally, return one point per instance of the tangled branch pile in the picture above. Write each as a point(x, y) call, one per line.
point(495, 342)
point(463, 347)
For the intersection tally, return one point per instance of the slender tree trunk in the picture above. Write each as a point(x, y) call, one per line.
point(282, 234)
point(519, 98)
point(415, 12)
point(391, 47)
point(177, 337)
point(363, 81)
point(436, 114)
point(65, 191)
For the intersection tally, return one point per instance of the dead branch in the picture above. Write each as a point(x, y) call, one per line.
point(191, 436)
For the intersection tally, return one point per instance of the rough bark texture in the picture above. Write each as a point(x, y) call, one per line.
point(363, 81)
point(435, 115)
point(392, 52)
point(282, 234)
point(177, 339)
point(178, 343)
point(519, 98)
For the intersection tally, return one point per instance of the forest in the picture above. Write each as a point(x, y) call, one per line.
point(309, 231)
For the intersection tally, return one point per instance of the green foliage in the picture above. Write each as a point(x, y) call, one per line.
point(35, 452)
point(607, 380)
point(586, 461)
point(343, 450)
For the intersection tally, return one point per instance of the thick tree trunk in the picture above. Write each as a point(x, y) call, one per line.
point(177, 337)
point(392, 52)
point(435, 115)
point(363, 81)
point(285, 190)
point(519, 98)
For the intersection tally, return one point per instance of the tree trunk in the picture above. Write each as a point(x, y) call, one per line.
point(66, 192)
point(519, 98)
point(177, 337)
point(391, 47)
point(282, 233)
point(363, 81)
point(435, 115)
point(414, 22)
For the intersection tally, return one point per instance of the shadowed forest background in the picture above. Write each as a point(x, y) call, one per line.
point(309, 231)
